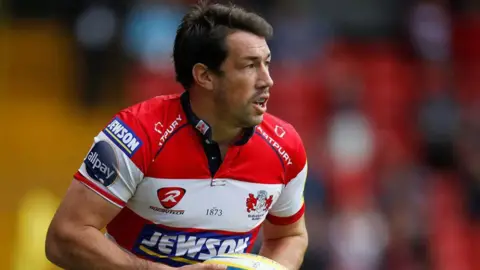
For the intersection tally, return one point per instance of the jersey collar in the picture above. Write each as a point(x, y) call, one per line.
point(204, 128)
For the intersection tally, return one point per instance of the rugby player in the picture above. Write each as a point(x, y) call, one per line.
point(178, 179)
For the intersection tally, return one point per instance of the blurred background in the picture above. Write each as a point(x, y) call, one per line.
point(385, 94)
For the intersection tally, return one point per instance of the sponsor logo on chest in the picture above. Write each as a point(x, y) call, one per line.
point(156, 242)
point(169, 197)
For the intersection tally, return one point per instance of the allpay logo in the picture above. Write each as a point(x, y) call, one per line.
point(101, 163)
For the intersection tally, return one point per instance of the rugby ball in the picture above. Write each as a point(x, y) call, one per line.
point(245, 261)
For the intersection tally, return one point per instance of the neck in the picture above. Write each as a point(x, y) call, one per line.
point(205, 108)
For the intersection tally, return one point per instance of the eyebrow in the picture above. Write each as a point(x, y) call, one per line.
point(254, 58)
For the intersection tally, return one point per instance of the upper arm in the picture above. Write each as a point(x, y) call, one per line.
point(83, 207)
point(272, 231)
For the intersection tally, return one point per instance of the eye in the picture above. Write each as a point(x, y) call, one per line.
point(250, 66)
point(267, 63)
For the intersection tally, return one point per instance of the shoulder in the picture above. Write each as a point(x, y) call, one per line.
point(137, 126)
point(153, 108)
point(152, 111)
point(281, 131)
point(283, 137)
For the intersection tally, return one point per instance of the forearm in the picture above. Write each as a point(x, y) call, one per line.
point(88, 248)
point(288, 251)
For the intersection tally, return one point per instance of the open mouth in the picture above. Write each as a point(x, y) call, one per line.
point(262, 102)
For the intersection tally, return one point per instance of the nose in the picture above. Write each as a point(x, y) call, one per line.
point(265, 80)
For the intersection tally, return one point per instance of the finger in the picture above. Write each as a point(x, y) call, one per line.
point(214, 267)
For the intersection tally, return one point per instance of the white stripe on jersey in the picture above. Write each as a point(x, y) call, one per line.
point(100, 187)
point(230, 200)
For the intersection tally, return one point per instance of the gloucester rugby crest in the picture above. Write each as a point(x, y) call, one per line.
point(258, 206)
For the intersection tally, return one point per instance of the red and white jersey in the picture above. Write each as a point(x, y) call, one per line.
point(180, 202)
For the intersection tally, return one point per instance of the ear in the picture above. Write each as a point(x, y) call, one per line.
point(202, 76)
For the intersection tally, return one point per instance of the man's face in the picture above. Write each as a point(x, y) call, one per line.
point(242, 91)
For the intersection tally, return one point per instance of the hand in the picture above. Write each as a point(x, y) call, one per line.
point(204, 266)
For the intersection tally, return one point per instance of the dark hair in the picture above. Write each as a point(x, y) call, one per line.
point(201, 36)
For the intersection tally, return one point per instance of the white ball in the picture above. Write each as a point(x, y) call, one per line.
point(245, 261)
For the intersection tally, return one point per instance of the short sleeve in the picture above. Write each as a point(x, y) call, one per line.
point(117, 160)
point(290, 206)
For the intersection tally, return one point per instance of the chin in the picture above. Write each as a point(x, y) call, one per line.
point(247, 120)
point(255, 120)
